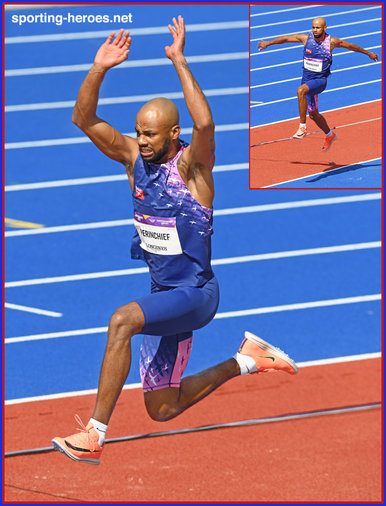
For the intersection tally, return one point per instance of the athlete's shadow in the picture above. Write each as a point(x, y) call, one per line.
point(334, 170)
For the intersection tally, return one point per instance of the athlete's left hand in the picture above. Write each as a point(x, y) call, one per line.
point(178, 33)
point(373, 56)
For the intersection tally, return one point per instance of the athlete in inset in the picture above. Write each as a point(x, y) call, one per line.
point(317, 60)
point(172, 191)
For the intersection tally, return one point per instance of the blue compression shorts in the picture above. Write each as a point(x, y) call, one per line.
point(171, 315)
point(315, 86)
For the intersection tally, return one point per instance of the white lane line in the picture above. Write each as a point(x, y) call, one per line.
point(84, 140)
point(297, 78)
point(325, 91)
point(64, 104)
point(102, 179)
point(227, 314)
point(293, 46)
point(152, 62)
point(301, 305)
point(35, 310)
point(344, 108)
point(288, 21)
point(342, 53)
point(286, 10)
point(135, 32)
point(324, 173)
point(217, 212)
point(132, 386)
point(220, 261)
point(329, 28)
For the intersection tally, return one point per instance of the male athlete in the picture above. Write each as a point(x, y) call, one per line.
point(317, 60)
point(172, 190)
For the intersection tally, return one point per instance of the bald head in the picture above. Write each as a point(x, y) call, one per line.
point(159, 111)
point(320, 21)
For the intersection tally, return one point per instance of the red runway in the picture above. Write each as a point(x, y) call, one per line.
point(276, 163)
point(336, 457)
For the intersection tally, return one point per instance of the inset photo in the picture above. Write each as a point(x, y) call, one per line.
point(316, 96)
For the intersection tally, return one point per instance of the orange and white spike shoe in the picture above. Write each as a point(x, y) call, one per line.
point(301, 133)
point(328, 142)
point(266, 356)
point(82, 447)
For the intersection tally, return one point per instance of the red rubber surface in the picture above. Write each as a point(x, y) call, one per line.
point(276, 163)
point(325, 458)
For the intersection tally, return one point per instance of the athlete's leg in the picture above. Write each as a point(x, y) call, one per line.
point(167, 403)
point(126, 321)
point(319, 120)
point(302, 92)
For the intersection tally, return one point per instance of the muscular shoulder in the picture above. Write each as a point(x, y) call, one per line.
point(335, 42)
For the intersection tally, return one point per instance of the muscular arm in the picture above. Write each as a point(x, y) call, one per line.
point(112, 143)
point(352, 47)
point(301, 37)
point(197, 161)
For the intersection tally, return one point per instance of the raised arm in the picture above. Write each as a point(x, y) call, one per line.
point(112, 143)
point(199, 157)
point(335, 42)
point(301, 37)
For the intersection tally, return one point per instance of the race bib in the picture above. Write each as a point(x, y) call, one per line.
point(313, 64)
point(158, 235)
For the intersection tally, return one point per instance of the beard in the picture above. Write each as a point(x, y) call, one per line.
point(158, 155)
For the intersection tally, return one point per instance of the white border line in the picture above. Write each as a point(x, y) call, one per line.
point(324, 112)
point(307, 30)
point(325, 91)
point(152, 30)
point(231, 127)
point(220, 261)
point(173, 95)
point(217, 212)
point(32, 310)
point(342, 13)
point(338, 53)
point(297, 78)
point(103, 179)
point(132, 386)
point(322, 173)
point(227, 314)
point(152, 62)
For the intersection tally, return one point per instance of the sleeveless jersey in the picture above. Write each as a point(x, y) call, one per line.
point(173, 230)
point(317, 58)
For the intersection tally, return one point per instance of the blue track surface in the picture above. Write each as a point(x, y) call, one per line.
point(254, 223)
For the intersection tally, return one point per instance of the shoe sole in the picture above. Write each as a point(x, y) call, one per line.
point(59, 447)
point(299, 138)
point(329, 147)
point(271, 349)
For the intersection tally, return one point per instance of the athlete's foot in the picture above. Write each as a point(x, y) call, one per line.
point(266, 356)
point(301, 133)
point(82, 447)
point(328, 141)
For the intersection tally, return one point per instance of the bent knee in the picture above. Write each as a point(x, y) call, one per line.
point(162, 405)
point(128, 318)
point(302, 90)
point(314, 115)
point(163, 413)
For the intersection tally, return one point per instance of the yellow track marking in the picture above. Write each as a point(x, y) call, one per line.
point(21, 224)
point(254, 102)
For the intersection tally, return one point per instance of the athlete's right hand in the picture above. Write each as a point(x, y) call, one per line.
point(262, 45)
point(113, 52)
